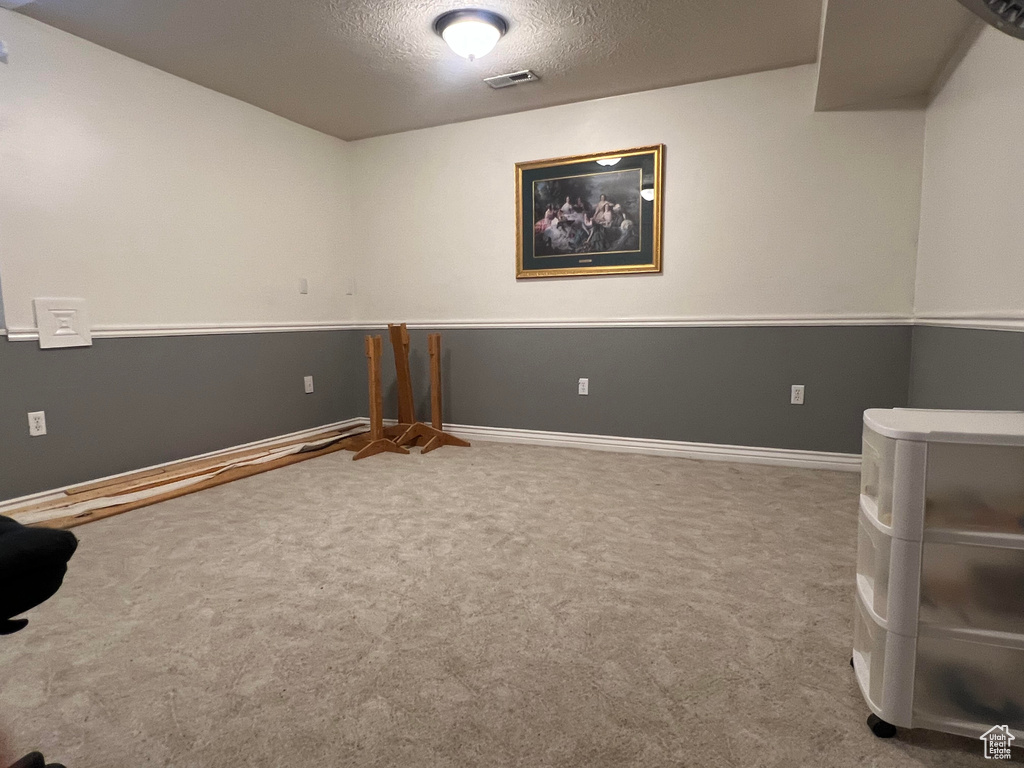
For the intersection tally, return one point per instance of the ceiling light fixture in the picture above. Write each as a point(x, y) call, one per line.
point(470, 32)
point(1007, 15)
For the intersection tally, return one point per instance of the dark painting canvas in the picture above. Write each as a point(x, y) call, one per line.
point(595, 214)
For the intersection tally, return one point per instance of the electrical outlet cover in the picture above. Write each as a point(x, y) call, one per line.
point(62, 323)
point(37, 423)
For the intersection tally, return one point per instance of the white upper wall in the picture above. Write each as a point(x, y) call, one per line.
point(157, 200)
point(971, 258)
point(166, 204)
point(771, 209)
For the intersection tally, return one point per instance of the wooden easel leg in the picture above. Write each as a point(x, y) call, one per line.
point(374, 442)
point(403, 379)
point(412, 435)
point(379, 446)
point(443, 438)
point(396, 430)
point(432, 438)
point(432, 434)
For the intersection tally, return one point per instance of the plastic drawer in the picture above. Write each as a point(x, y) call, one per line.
point(888, 567)
point(975, 488)
point(877, 462)
point(873, 556)
point(972, 587)
point(967, 687)
point(884, 665)
point(892, 484)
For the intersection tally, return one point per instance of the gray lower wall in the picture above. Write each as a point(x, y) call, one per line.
point(727, 385)
point(967, 368)
point(128, 403)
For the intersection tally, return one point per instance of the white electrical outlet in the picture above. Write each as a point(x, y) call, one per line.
point(37, 423)
point(796, 394)
point(308, 384)
point(584, 386)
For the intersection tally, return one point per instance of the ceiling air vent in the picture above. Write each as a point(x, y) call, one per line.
point(1007, 15)
point(512, 78)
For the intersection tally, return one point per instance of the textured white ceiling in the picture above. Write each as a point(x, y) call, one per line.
point(358, 68)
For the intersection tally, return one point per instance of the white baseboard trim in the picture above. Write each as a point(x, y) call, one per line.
point(781, 457)
point(269, 442)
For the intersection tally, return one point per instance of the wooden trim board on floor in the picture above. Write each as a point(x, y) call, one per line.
point(220, 478)
point(78, 504)
point(267, 443)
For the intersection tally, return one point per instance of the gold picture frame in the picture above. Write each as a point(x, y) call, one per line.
point(609, 224)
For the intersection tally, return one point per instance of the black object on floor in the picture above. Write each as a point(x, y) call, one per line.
point(10, 626)
point(880, 728)
point(35, 760)
point(32, 760)
point(33, 562)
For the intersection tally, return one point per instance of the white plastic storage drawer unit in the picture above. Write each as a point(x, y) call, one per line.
point(939, 627)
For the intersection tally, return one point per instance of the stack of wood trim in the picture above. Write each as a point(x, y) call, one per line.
point(84, 503)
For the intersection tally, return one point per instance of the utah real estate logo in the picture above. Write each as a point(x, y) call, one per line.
point(997, 742)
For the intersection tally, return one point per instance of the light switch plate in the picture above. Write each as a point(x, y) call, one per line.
point(62, 323)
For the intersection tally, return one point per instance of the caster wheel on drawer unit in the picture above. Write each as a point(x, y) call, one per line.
point(880, 728)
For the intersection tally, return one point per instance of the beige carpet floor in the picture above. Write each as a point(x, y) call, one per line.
point(493, 606)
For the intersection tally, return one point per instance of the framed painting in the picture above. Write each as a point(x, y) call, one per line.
point(590, 214)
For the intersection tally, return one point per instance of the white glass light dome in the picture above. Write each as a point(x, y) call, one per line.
point(471, 33)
